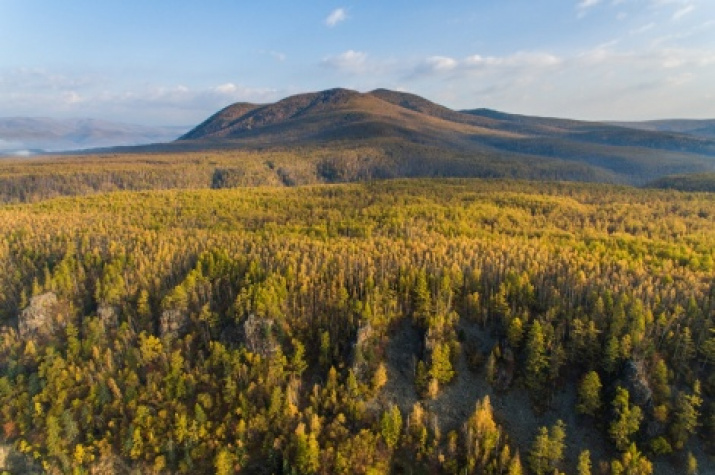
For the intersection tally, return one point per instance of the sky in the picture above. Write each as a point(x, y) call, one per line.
point(176, 62)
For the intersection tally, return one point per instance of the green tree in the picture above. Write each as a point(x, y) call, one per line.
point(589, 394)
point(421, 298)
point(584, 463)
point(307, 451)
point(224, 462)
point(536, 360)
point(686, 416)
point(391, 426)
point(441, 368)
point(626, 421)
point(515, 332)
point(547, 449)
point(632, 462)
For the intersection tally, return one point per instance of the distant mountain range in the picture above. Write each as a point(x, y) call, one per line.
point(422, 138)
point(700, 128)
point(27, 135)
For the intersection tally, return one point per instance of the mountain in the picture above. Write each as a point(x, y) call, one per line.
point(418, 137)
point(23, 135)
point(700, 128)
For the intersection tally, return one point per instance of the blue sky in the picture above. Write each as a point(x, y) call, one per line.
point(174, 62)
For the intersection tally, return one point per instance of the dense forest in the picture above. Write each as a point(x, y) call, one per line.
point(40, 178)
point(409, 326)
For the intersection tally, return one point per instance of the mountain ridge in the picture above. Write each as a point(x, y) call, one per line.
point(399, 120)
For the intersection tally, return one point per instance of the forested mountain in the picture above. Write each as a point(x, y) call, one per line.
point(411, 130)
point(406, 326)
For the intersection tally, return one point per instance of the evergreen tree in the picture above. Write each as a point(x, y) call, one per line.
point(626, 421)
point(589, 394)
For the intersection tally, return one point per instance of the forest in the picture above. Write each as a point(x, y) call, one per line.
point(414, 326)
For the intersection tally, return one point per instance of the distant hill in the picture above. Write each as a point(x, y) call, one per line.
point(421, 138)
point(700, 128)
point(27, 135)
point(692, 182)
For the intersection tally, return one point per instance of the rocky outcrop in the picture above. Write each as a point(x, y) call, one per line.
point(109, 315)
point(42, 317)
point(172, 322)
point(635, 381)
point(506, 367)
point(258, 336)
point(362, 340)
point(12, 461)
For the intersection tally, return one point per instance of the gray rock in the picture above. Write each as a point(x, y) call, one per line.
point(109, 315)
point(257, 335)
point(362, 340)
point(172, 322)
point(42, 317)
point(635, 381)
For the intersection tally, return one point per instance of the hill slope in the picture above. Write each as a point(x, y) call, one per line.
point(422, 138)
point(690, 182)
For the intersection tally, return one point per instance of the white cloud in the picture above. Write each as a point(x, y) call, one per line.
point(680, 79)
point(585, 5)
point(42, 79)
point(436, 65)
point(642, 29)
point(681, 12)
point(349, 61)
point(521, 58)
point(336, 16)
point(228, 88)
point(71, 97)
point(440, 63)
point(161, 105)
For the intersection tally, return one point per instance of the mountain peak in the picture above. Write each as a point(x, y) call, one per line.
point(404, 122)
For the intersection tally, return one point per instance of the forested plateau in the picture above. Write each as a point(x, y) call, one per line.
point(408, 326)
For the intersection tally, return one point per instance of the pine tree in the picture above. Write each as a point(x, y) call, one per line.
point(536, 360)
point(589, 394)
point(547, 449)
point(379, 378)
point(584, 463)
point(627, 419)
point(391, 426)
point(441, 368)
point(224, 462)
point(686, 416)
